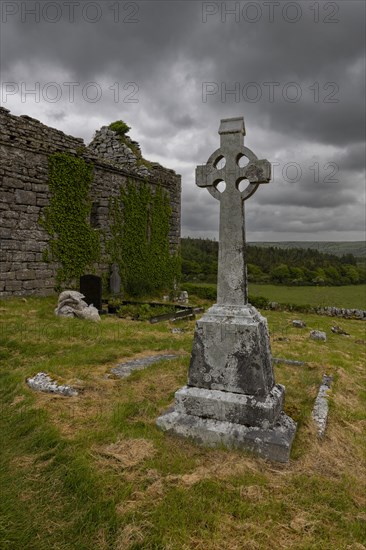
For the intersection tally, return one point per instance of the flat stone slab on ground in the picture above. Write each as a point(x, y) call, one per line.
point(125, 369)
point(321, 407)
point(272, 443)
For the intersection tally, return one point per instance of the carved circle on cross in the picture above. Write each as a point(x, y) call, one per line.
point(217, 171)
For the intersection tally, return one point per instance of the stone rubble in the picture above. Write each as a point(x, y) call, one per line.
point(71, 304)
point(342, 312)
point(330, 311)
point(42, 382)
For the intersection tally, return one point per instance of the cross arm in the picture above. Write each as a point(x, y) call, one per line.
point(258, 171)
point(206, 176)
point(202, 176)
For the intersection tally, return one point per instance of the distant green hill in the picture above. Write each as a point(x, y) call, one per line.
point(357, 248)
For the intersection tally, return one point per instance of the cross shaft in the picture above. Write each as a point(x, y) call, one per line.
point(232, 285)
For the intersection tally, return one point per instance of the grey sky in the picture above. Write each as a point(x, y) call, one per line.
point(171, 70)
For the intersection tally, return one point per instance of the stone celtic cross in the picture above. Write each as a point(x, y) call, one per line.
point(231, 397)
point(224, 165)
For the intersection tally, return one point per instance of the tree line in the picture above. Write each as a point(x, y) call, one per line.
point(292, 266)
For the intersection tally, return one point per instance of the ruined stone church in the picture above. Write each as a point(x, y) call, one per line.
point(25, 146)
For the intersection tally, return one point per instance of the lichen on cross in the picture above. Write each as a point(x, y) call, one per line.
point(224, 165)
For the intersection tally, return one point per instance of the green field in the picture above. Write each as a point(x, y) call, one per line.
point(352, 296)
point(94, 471)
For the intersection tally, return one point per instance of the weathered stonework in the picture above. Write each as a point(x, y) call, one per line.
point(244, 409)
point(231, 398)
point(272, 442)
point(231, 351)
point(25, 144)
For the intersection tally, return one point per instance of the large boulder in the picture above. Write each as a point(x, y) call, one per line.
point(71, 304)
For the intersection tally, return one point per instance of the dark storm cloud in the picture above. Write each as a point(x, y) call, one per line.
point(299, 85)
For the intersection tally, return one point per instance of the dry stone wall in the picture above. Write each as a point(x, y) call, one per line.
point(25, 145)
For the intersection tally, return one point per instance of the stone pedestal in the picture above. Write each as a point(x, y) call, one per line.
point(231, 398)
point(231, 351)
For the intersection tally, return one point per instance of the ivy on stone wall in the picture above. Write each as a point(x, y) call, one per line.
point(73, 243)
point(139, 241)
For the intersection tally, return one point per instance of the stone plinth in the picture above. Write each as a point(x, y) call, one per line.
point(247, 410)
point(273, 442)
point(231, 351)
point(231, 398)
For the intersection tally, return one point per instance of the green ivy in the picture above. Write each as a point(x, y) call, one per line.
point(139, 241)
point(73, 243)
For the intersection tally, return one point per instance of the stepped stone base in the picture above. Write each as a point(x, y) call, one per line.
point(238, 408)
point(231, 398)
point(273, 442)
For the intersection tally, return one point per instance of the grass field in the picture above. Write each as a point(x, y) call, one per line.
point(94, 472)
point(352, 296)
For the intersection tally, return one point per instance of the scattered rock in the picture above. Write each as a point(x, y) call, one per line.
point(298, 323)
point(318, 335)
point(71, 304)
point(338, 330)
point(320, 410)
point(42, 382)
point(178, 330)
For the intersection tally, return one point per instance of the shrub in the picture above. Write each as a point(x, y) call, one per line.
point(204, 292)
point(120, 127)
